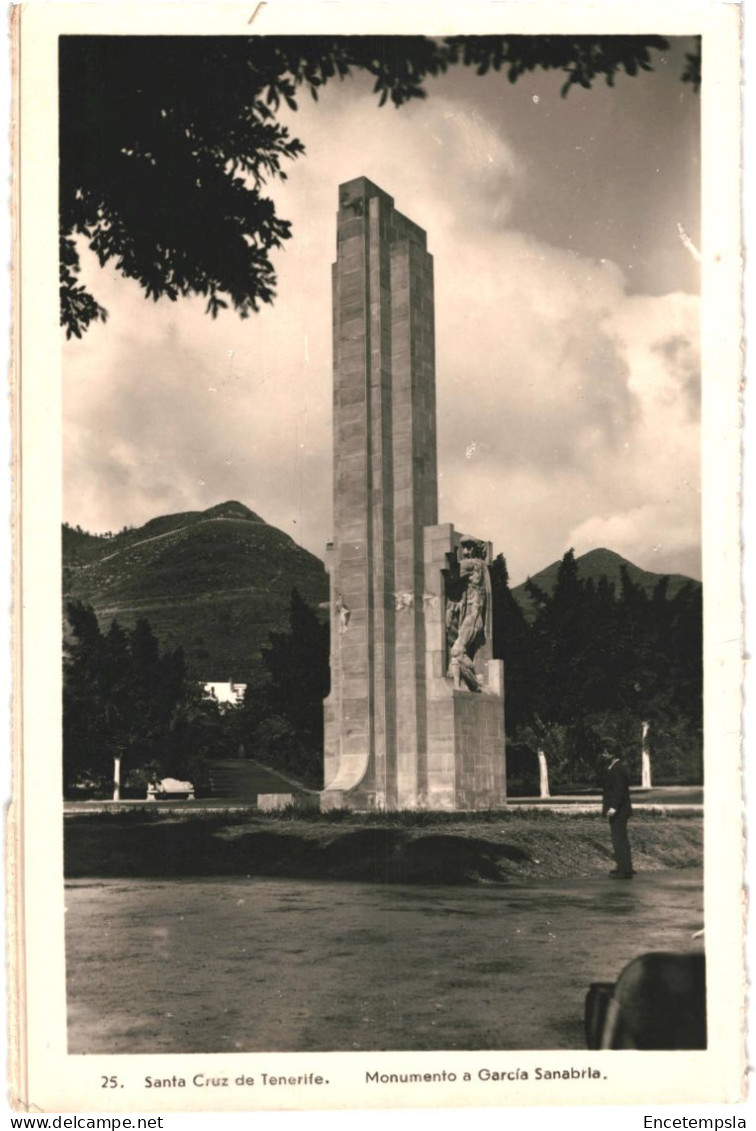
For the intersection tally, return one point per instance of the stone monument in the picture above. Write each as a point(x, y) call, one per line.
point(415, 717)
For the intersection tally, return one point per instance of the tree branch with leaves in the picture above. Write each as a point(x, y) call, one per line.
point(167, 143)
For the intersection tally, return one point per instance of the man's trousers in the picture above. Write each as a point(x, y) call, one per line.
point(621, 844)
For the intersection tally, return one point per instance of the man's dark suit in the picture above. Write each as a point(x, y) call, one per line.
point(617, 797)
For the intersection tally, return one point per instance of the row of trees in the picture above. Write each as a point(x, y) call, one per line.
point(591, 664)
point(595, 664)
point(129, 711)
point(105, 533)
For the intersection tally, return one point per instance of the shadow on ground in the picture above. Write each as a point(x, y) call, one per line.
point(515, 846)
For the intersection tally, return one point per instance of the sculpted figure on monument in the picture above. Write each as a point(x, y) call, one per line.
point(342, 613)
point(466, 605)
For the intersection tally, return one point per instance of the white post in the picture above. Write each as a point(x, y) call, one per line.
point(645, 759)
point(544, 771)
point(117, 778)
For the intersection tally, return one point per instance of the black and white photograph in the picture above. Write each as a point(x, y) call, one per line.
point(380, 470)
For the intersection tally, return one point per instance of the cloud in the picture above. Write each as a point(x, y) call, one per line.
point(567, 409)
point(665, 536)
point(569, 389)
point(176, 412)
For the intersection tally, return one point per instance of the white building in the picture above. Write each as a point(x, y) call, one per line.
point(225, 693)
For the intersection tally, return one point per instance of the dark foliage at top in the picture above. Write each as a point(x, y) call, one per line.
point(167, 142)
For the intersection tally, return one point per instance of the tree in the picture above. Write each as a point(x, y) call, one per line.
point(670, 682)
point(127, 705)
point(167, 142)
point(601, 664)
point(283, 720)
point(513, 643)
point(298, 663)
point(84, 728)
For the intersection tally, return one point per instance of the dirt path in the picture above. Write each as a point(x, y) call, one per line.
point(243, 965)
point(161, 537)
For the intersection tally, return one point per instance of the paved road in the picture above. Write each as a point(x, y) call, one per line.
point(658, 795)
point(238, 784)
point(233, 783)
point(242, 965)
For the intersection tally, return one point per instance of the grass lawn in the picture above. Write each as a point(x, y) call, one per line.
point(445, 848)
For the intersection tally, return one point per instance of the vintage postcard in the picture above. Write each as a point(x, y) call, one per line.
point(378, 625)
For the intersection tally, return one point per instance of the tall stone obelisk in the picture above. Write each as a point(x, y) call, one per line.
point(384, 611)
point(384, 494)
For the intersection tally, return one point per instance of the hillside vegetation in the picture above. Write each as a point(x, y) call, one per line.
point(214, 583)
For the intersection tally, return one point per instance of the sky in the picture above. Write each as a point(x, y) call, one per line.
point(564, 236)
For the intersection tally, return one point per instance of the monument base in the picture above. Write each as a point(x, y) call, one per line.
point(333, 799)
point(466, 764)
point(358, 800)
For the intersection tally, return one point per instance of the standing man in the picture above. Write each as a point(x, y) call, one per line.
point(617, 807)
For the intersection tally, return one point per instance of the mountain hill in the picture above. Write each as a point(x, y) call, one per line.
point(595, 565)
point(214, 582)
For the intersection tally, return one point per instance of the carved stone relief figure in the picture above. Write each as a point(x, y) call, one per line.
point(342, 612)
point(466, 607)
